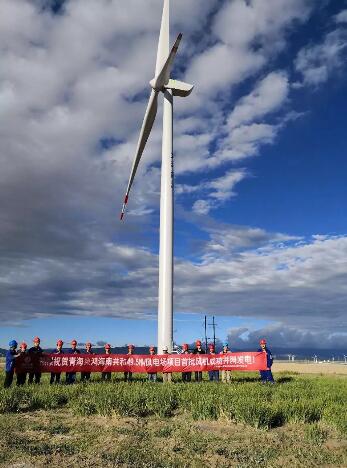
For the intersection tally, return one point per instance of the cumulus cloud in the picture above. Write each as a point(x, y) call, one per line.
point(267, 97)
point(73, 90)
point(341, 17)
point(296, 282)
point(218, 190)
point(316, 63)
point(244, 23)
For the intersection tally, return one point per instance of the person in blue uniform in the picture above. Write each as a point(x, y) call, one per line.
point(11, 356)
point(266, 375)
point(22, 376)
point(71, 376)
point(55, 376)
point(35, 352)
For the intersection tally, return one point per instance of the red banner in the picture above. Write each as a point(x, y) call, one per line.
point(141, 363)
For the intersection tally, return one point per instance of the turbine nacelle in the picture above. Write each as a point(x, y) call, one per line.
point(178, 88)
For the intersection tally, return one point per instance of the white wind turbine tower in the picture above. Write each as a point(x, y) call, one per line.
point(161, 83)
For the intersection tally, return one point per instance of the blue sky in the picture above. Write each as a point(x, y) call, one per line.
point(260, 171)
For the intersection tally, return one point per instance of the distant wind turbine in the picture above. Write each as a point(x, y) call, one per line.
point(162, 83)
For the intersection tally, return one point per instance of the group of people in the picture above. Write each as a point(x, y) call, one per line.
point(36, 350)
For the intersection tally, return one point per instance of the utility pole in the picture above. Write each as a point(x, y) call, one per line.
point(205, 334)
point(213, 325)
point(214, 332)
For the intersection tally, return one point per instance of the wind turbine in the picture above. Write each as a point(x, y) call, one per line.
point(162, 83)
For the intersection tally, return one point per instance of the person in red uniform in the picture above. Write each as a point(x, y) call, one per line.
point(128, 376)
point(22, 376)
point(213, 375)
point(152, 376)
point(71, 376)
point(55, 376)
point(106, 375)
point(198, 350)
point(85, 376)
point(35, 352)
point(186, 376)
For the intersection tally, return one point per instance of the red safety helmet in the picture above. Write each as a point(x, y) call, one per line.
point(198, 343)
point(88, 344)
point(74, 342)
point(262, 341)
point(152, 348)
point(36, 340)
point(107, 346)
point(211, 346)
point(23, 345)
point(60, 343)
point(185, 346)
point(131, 346)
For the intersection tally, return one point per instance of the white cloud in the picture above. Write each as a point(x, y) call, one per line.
point(222, 66)
point(242, 23)
point(268, 96)
point(316, 63)
point(302, 284)
point(217, 190)
point(202, 207)
point(341, 17)
point(245, 141)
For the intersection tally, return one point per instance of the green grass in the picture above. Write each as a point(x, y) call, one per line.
point(300, 421)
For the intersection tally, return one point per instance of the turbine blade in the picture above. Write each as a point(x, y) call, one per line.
point(146, 128)
point(163, 76)
point(164, 38)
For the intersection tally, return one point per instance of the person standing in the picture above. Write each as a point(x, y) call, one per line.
point(35, 353)
point(85, 376)
point(128, 376)
point(213, 375)
point(22, 376)
point(71, 376)
point(11, 356)
point(152, 376)
point(226, 374)
point(55, 376)
point(186, 376)
point(266, 375)
point(167, 376)
point(198, 350)
point(106, 375)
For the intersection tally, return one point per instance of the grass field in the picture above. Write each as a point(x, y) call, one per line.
point(300, 421)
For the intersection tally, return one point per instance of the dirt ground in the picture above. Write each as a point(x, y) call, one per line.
point(310, 368)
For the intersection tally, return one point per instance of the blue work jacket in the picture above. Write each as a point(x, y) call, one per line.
point(269, 358)
point(10, 360)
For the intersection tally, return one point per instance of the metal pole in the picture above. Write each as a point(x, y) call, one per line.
point(165, 300)
point(205, 334)
point(214, 332)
